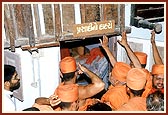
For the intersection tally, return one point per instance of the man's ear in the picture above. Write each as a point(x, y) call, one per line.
point(73, 106)
point(7, 83)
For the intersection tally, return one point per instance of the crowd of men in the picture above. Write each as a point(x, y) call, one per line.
point(132, 88)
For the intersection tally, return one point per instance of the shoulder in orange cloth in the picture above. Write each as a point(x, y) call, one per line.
point(67, 93)
point(68, 64)
point(141, 56)
point(117, 96)
point(120, 71)
point(134, 104)
point(148, 85)
point(136, 79)
point(158, 69)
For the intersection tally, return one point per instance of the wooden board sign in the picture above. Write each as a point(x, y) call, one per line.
point(93, 28)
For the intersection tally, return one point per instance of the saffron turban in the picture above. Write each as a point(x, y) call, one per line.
point(141, 56)
point(136, 79)
point(68, 64)
point(158, 69)
point(120, 70)
point(67, 93)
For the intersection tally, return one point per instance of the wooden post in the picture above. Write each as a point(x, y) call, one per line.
point(27, 14)
point(58, 29)
point(10, 27)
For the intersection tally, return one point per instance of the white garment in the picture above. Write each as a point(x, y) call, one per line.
point(8, 103)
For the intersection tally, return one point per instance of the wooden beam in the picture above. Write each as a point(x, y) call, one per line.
point(37, 21)
point(42, 45)
point(58, 29)
point(10, 27)
point(27, 14)
point(83, 13)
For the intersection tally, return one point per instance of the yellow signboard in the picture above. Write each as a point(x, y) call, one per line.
point(94, 28)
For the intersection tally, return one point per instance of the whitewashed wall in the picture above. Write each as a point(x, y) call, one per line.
point(41, 78)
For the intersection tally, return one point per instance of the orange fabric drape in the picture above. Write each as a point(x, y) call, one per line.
point(117, 96)
point(93, 54)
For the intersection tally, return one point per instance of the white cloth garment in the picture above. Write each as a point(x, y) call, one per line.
point(8, 103)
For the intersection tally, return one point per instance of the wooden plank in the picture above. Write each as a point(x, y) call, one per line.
point(110, 12)
point(68, 17)
point(58, 29)
point(6, 24)
point(83, 14)
point(102, 13)
point(48, 19)
point(122, 17)
point(37, 20)
point(93, 28)
point(20, 23)
point(92, 13)
point(28, 19)
point(42, 45)
point(9, 21)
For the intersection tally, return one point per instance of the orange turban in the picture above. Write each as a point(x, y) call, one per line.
point(67, 93)
point(68, 64)
point(120, 70)
point(158, 69)
point(141, 56)
point(136, 79)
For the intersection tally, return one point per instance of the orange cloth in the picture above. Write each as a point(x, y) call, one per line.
point(120, 70)
point(134, 104)
point(154, 90)
point(88, 102)
point(117, 96)
point(141, 56)
point(93, 54)
point(68, 64)
point(136, 79)
point(67, 93)
point(148, 85)
point(158, 69)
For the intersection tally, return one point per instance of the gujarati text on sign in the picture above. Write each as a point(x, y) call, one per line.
point(94, 28)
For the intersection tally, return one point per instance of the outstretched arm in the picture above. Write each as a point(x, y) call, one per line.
point(104, 44)
point(129, 51)
point(156, 55)
point(95, 87)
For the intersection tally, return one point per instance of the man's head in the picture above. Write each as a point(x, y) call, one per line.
point(11, 78)
point(155, 101)
point(99, 106)
point(68, 68)
point(136, 80)
point(158, 76)
point(119, 73)
point(142, 57)
point(68, 95)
